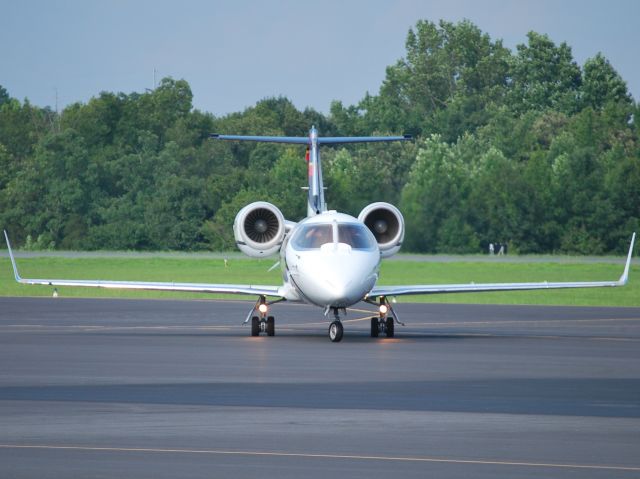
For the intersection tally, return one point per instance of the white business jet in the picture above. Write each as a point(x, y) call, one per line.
point(328, 259)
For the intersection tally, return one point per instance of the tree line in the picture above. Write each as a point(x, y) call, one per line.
point(522, 147)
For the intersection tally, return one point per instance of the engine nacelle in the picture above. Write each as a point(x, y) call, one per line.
point(387, 225)
point(259, 229)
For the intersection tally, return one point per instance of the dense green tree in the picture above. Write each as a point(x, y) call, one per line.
point(285, 181)
point(4, 96)
point(501, 201)
point(52, 193)
point(360, 175)
point(450, 74)
point(521, 147)
point(544, 75)
point(22, 125)
point(602, 84)
point(434, 197)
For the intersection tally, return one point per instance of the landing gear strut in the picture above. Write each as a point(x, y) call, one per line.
point(383, 323)
point(262, 323)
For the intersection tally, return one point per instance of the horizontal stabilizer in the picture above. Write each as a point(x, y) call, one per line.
point(332, 140)
point(305, 140)
point(299, 140)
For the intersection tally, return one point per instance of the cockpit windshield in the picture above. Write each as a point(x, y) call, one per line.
point(355, 235)
point(313, 236)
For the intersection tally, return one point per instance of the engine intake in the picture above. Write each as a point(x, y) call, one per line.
point(259, 229)
point(387, 225)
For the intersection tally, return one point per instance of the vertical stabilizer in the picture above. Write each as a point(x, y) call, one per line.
point(315, 200)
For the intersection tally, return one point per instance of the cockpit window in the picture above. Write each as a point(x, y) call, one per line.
point(355, 235)
point(315, 235)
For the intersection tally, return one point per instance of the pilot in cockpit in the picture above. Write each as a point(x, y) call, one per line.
point(317, 236)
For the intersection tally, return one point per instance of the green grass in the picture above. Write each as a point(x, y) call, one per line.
point(247, 271)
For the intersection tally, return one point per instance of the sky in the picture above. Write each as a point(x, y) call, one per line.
point(237, 52)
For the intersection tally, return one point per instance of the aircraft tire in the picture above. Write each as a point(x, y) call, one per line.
point(255, 326)
point(389, 326)
point(374, 327)
point(336, 331)
point(271, 326)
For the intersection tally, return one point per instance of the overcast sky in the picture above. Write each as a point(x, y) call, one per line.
point(234, 53)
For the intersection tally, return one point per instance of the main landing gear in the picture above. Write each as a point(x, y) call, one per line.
point(261, 323)
point(383, 323)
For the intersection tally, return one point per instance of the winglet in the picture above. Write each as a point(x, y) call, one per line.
point(625, 275)
point(13, 260)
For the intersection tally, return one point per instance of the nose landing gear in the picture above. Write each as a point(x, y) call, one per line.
point(335, 328)
point(336, 331)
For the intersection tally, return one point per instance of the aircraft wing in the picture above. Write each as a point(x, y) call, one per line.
point(143, 285)
point(483, 287)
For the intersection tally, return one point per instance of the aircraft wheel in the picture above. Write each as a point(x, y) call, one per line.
point(389, 326)
point(374, 327)
point(255, 326)
point(271, 326)
point(335, 331)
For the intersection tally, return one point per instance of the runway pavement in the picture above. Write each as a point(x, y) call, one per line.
point(163, 389)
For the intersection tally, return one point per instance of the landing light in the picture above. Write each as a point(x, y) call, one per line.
point(383, 309)
point(262, 308)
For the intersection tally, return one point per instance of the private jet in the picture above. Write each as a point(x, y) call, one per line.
point(328, 259)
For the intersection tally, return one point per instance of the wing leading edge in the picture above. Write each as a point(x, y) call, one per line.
point(260, 290)
point(484, 287)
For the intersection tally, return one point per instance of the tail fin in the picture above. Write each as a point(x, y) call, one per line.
point(315, 200)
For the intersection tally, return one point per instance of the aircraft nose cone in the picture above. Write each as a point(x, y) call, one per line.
point(340, 288)
point(338, 280)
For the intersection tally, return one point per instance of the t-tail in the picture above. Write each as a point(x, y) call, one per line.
point(315, 201)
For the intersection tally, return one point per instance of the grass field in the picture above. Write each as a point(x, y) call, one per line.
point(199, 270)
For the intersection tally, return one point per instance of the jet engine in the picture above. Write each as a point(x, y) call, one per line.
point(259, 229)
point(387, 225)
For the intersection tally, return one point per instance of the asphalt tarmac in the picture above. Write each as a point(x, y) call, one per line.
point(105, 388)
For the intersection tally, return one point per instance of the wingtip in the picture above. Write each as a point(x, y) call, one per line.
point(13, 260)
point(625, 275)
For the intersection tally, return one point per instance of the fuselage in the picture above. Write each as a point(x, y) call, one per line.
point(330, 260)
